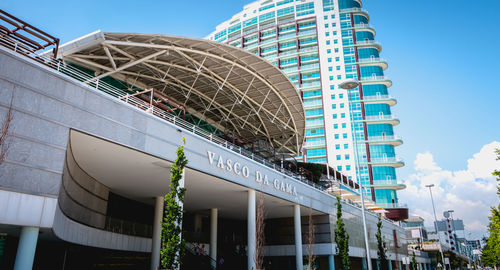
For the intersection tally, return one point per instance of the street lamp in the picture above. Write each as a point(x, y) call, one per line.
point(435, 224)
point(348, 85)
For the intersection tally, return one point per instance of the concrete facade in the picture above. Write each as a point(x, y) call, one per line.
point(47, 105)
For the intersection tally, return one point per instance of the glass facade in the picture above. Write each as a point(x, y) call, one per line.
point(318, 44)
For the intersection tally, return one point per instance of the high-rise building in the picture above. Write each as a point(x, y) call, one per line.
point(319, 44)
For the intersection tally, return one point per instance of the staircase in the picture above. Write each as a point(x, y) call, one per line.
point(193, 261)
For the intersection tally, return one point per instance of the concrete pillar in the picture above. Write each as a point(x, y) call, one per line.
point(389, 264)
point(251, 229)
point(26, 248)
point(298, 237)
point(363, 263)
point(156, 241)
point(213, 236)
point(331, 262)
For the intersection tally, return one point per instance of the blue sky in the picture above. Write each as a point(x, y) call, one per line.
point(443, 60)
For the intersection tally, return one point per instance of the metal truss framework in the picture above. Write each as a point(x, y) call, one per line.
point(231, 89)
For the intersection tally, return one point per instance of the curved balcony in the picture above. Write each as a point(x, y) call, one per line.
point(369, 43)
point(380, 119)
point(386, 184)
point(364, 27)
point(377, 99)
point(373, 62)
point(395, 162)
point(392, 140)
point(376, 80)
point(356, 11)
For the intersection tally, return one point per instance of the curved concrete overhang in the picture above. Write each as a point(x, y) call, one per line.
point(229, 88)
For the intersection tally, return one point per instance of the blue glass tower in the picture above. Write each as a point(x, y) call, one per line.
point(319, 44)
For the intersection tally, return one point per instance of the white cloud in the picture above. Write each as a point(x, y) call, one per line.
point(470, 192)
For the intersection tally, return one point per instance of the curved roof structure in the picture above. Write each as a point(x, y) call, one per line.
point(231, 89)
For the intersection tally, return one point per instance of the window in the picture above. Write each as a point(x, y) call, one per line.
point(336, 126)
point(347, 157)
point(344, 135)
point(332, 96)
point(337, 136)
point(333, 16)
point(334, 106)
point(330, 68)
point(334, 116)
point(341, 105)
point(327, 42)
point(329, 60)
point(338, 157)
point(332, 87)
point(334, 33)
point(334, 24)
point(339, 77)
point(326, 25)
point(337, 59)
point(329, 51)
point(347, 167)
point(335, 42)
point(337, 146)
point(346, 146)
point(342, 115)
point(337, 67)
point(326, 17)
point(344, 125)
point(336, 50)
point(339, 168)
point(341, 96)
point(327, 34)
point(331, 78)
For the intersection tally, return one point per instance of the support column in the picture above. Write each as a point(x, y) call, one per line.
point(213, 236)
point(251, 229)
point(156, 240)
point(400, 265)
point(26, 248)
point(331, 262)
point(389, 264)
point(298, 237)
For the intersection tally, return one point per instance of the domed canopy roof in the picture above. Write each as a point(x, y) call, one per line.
point(229, 88)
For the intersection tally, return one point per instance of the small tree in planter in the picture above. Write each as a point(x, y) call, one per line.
point(413, 261)
point(381, 245)
point(342, 238)
point(311, 258)
point(259, 235)
point(172, 244)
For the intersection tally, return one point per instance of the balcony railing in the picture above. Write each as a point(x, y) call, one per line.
point(377, 97)
point(386, 160)
point(371, 60)
point(392, 205)
point(307, 32)
point(390, 138)
point(375, 78)
point(368, 42)
point(314, 143)
point(363, 25)
point(349, 10)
